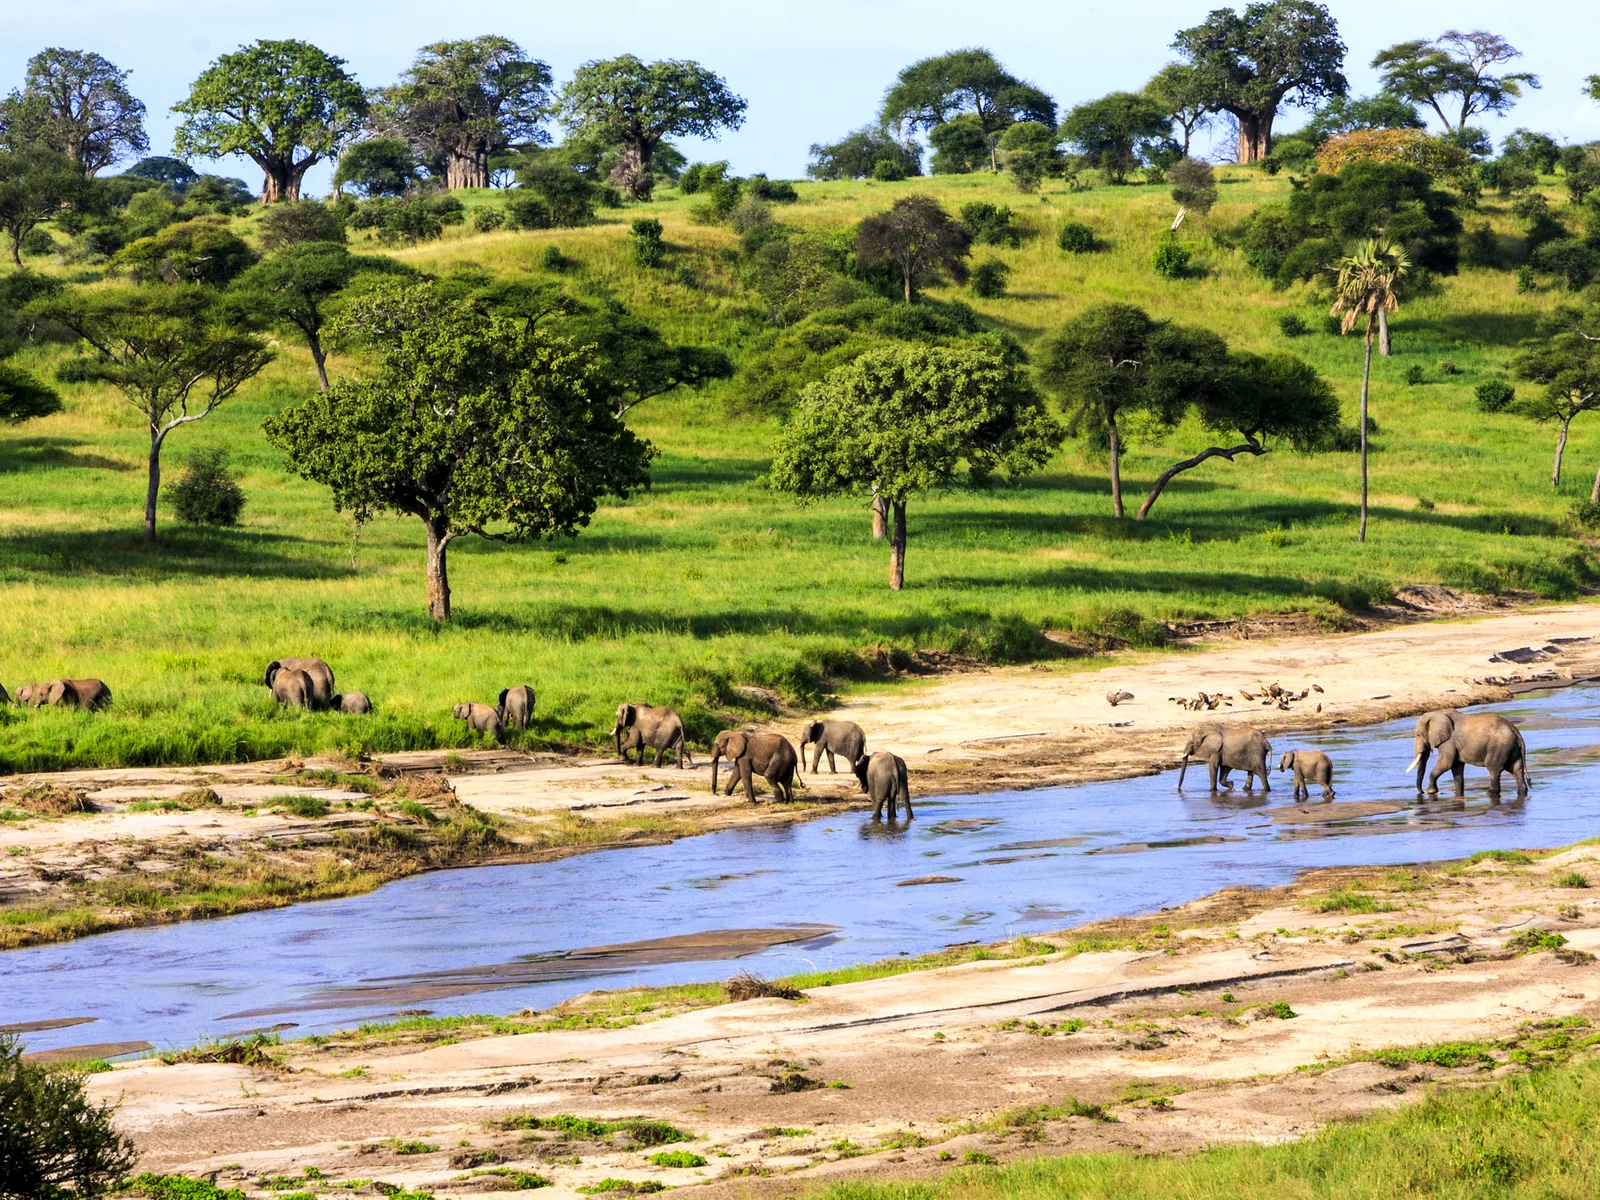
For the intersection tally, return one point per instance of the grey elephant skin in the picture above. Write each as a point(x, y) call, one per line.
point(31, 695)
point(1312, 765)
point(77, 693)
point(5, 696)
point(883, 779)
point(749, 754)
point(1225, 748)
point(479, 717)
point(320, 674)
point(832, 737)
point(516, 706)
point(355, 703)
point(1485, 740)
point(293, 688)
point(643, 726)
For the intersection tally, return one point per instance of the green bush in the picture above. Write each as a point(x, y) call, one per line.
point(1495, 395)
point(989, 279)
point(53, 1142)
point(677, 1158)
point(1076, 238)
point(486, 220)
point(551, 259)
point(38, 241)
point(888, 171)
point(1171, 259)
point(648, 248)
point(305, 806)
point(990, 224)
point(207, 494)
point(527, 211)
point(1415, 375)
point(1293, 325)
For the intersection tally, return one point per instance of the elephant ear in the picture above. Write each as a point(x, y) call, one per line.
point(503, 694)
point(737, 744)
point(273, 668)
point(630, 714)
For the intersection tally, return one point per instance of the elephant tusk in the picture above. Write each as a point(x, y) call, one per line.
point(1412, 766)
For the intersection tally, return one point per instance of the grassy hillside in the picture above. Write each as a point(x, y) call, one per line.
point(708, 580)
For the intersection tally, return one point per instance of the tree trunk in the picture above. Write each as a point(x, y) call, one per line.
point(1190, 463)
point(1385, 346)
point(438, 574)
point(467, 169)
point(1116, 468)
point(1594, 492)
point(320, 357)
point(1561, 446)
point(905, 270)
point(880, 513)
point(16, 251)
point(897, 547)
point(153, 487)
point(1255, 137)
point(274, 186)
point(1366, 376)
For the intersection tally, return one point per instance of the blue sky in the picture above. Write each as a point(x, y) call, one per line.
point(811, 71)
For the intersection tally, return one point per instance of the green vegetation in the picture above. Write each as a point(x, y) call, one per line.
point(677, 1158)
point(53, 1141)
point(640, 1131)
point(1347, 899)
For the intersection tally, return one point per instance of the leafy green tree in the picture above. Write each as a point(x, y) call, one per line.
point(35, 185)
point(53, 1141)
point(908, 419)
point(936, 90)
point(22, 397)
point(295, 287)
point(296, 222)
point(1113, 363)
point(1119, 132)
point(175, 354)
point(204, 250)
point(635, 105)
point(1581, 165)
point(857, 155)
point(76, 103)
point(1194, 187)
point(960, 146)
point(472, 424)
point(1181, 89)
point(381, 166)
point(919, 239)
point(286, 105)
point(1455, 67)
point(1346, 114)
point(1258, 397)
point(174, 172)
point(466, 102)
point(1256, 61)
point(1538, 152)
point(1565, 358)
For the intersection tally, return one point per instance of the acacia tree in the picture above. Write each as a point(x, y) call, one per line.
point(53, 1141)
point(470, 423)
point(1113, 362)
point(910, 419)
point(468, 101)
point(380, 166)
point(1455, 67)
point(1181, 89)
point(919, 239)
point(286, 105)
point(77, 103)
point(1256, 61)
point(294, 287)
point(22, 397)
point(36, 183)
point(635, 105)
point(1565, 357)
point(937, 90)
point(1260, 396)
point(1368, 285)
point(1119, 131)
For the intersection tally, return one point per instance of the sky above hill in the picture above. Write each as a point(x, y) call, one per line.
point(812, 71)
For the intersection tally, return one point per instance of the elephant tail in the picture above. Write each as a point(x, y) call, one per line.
point(1522, 761)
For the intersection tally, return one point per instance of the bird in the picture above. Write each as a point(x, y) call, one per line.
point(1116, 697)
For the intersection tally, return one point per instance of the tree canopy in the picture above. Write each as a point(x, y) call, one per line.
point(1120, 132)
point(76, 103)
point(919, 239)
point(286, 105)
point(1181, 89)
point(937, 90)
point(294, 286)
point(53, 1141)
point(1457, 71)
point(857, 155)
point(36, 183)
point(381, 166)
point(22, 397)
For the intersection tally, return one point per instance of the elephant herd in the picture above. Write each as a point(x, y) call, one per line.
point(1458, 739)
point(308, 683)
point(91, 694)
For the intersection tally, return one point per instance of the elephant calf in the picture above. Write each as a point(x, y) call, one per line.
point(766, 754)
point(352, 702)
point(294, 689)
point(516, 706)
point(1485, 740)
point(832, 737)
point(1309, 764)
point(646, 726)
point(883, 778)
point(77, 693)
point(31, 695)
point(479, 717)
point(1228, 747)
point(317, 671)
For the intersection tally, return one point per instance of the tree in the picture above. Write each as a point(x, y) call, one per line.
point(1261, 396)
point(1368, 285)
point(1455, 65)
point(472, 424)
point(35, 185)
point(936, 90)
point(296, 222)
point(204, 250)
point(286, 105)
point(1345, 114)
point(959, 146)
point(917, 237)
point(468, 101)
point(294, 287)
point(1181, 89)
point(1255, 62)
point(78, 104)
point(1194, 187)
point(858, 154)
point(174, 353)
point(53, 1141)
point(22, 397)
point(906, 419)
point(1565, 358)
point(174, 172)
point(1120, 131)
point(625, 102)
point(381, 166)
point(636, 359)
point(1114, 360)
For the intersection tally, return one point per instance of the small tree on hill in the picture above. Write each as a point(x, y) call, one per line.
point(35, 185)
point(380, 166)
point(919, 239)
point(1565, 358)
point(294, 288)
point(1194, 187)
point(935, 91)
point(1119, 131)
point(908, 419)
point(76, 103)
point(471, 424)
point(53, 1141)
point(1455, 67)
point(1181, 89)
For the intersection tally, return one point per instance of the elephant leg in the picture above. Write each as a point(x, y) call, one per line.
point(747, 773)
point(1266, 782)
point(1459, 770)
point(877, 808)
point(833, 767)
point(1213, 765)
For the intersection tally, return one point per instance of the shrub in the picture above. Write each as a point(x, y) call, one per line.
point(677, 1158)
point(745, 986)
point(1586, 513)
point(306, 806)
point(1293, 325)
point(553, 260)
point(1025, 169)
point(748, 214)
point(648, 248)
point(527, 211)
point(989, 279)
point(38, 241)
point(773, 191)
point(52, 1138)
point(207, 494)
point(888, 171)
point(1571, 879)
point(294, 222)
point(990, 225)
point(1076, 238)
point(1171, 259)
point(1448, 367)
point(486, 220)
point(1415, 375)
point(1495, 395)
point(77, 369)
point(1525, 279)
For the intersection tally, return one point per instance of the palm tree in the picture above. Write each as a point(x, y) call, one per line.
point(1368, 284)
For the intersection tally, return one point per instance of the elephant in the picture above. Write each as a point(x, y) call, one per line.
point(31, 695)
point(1482, 739)
point(883, 778)
point(516, 706)
point(316, 670)
point(659, 729)
point(78, 693)
point(294, 688)
point(352, 702)
point(1309, 764)
point(831, 737)
point(5, 696)
point(479, 717)
point(767, 754)
point(1226, 747)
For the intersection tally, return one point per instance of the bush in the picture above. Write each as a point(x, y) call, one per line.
point(1293, 325)
point(1415, 375)
point(51, 1138)
point(38, 241)
point(990, 225)
point(1525, 279)
point(989, 279)
point(1171, 259)
point(648, 248)
point(553, 260)
point(1025, 169)
point(294, 222)
point(527, 211)
point(207, 494)
point(1448, 366)
point(1495, 395)
point(486, 220)
point(886, 170)
point(77, 369)
point(773, 191)
point(1076, 238)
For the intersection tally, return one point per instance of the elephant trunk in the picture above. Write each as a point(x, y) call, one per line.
point(1420, 762)
point(616, 734)
point(715, 755)
point(1182, 771)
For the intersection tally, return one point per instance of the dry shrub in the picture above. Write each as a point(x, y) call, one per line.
point(199, 797)
point(46, 800)
point(426, 787)
point(745, 986)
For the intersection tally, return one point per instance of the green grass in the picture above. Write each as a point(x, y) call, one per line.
point(709, 581)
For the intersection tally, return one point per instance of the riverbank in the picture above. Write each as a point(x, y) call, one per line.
point(88, 851)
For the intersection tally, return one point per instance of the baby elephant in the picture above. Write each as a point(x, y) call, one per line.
point(767, 754)
point(78, 693)
point(352, 702)
point(650, 728)
point(479, 717)
point(883, 778)
point(516, 706)
point(31, 695)
point(1309, 764)
point(830, 737)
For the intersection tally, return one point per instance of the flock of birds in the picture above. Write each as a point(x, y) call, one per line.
point(1272, 695)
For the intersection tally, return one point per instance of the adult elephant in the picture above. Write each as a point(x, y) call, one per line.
point(1485, 740)
point(649, 727)
point(1225, 748)
point(320, 674)
point(883, 779)
point(832, 737)
point(516, 706)
point(78, 693)
point(769, 755)
point(293, 688)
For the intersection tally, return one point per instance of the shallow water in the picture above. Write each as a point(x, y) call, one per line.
point(1011, 863)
